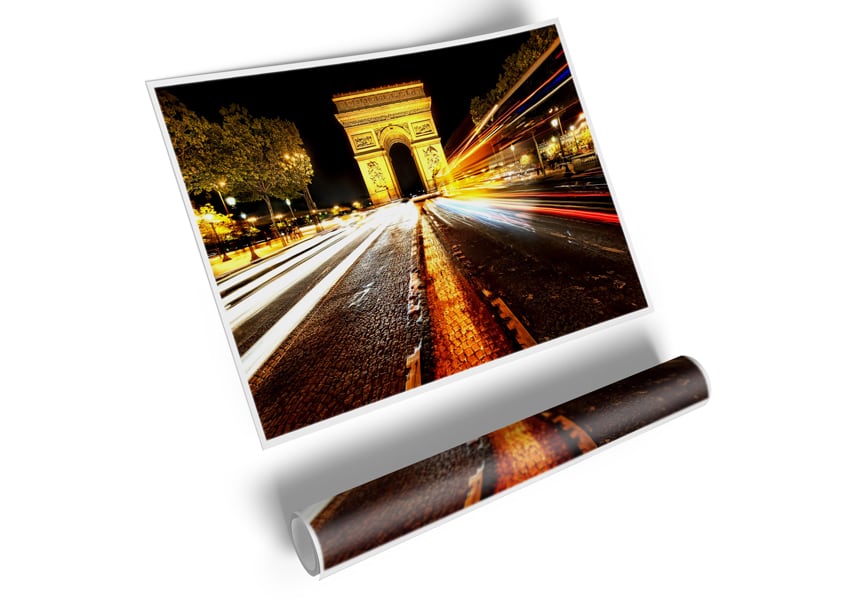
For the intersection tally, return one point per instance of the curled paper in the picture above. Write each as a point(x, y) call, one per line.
point(331, 534)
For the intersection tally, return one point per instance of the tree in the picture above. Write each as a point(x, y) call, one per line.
point(196, 143)
point(214, 227)
point(255, 155)
point(512, 70)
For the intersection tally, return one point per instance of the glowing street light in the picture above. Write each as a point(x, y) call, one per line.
point(556, 123)
point(209, 218)
point(219, 185)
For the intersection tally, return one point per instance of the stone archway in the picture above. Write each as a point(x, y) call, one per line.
point(376, 119)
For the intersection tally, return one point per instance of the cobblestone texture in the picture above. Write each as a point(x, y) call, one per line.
point(351, 350)
point(523, 450)
point(565, 276)
point(387, 508)
point(464, 332)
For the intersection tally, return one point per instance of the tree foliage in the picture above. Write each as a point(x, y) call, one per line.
point(261, 157)
point(256, 155)
point(512, 70)
point(212, 222)
point(195, 141)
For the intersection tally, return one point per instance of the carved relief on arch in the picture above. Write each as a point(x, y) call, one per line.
point(377, 119)
point(389, 135)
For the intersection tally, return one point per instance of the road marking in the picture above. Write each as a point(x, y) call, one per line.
point(514, 325)
point(413, 295)
point(414, 369)
point(476, 484)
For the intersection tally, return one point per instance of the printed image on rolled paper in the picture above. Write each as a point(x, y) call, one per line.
point(331, 534)
point(375, 223)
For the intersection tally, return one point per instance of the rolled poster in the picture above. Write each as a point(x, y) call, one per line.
point(331, 534)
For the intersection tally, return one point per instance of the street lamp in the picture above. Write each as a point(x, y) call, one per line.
point(556, 123)
point(209, 217)
point(296, 230)
point(539, 157)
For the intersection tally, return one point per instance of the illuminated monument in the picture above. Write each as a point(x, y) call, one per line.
point(377, 120)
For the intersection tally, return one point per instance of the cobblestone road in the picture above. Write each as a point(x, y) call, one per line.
point(351, 349)
point(558, 275)
point(464, 332)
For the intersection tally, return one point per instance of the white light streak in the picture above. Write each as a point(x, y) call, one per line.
point(260, 352)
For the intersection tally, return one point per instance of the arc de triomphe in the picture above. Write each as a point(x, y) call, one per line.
point(377, 119)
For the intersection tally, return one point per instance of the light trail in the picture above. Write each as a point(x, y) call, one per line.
point(465, 158)
point(477, 131)
point(286, 263)
point(254, 303)
point(230, 283)
point(504, 211)
point(482, 212)
point(262, 350)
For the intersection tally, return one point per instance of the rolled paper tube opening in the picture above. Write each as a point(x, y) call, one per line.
point(305, 544)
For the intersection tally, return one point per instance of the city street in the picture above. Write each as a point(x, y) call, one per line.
point(554, 257)
point(326, 327)
point(407, 293)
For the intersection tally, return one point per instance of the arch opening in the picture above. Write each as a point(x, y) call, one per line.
point(409, 181)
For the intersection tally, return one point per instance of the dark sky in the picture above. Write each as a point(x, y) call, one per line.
point(452, 77)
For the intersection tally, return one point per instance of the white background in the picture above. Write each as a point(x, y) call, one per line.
point(131, 467)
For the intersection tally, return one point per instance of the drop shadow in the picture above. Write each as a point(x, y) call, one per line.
point(500, 18)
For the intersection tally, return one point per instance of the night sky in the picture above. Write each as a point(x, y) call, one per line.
point(452, 77)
